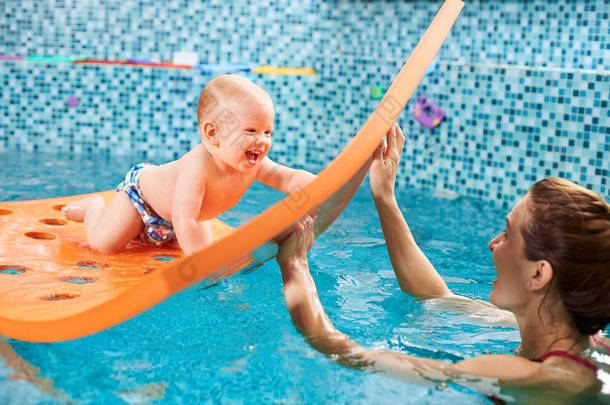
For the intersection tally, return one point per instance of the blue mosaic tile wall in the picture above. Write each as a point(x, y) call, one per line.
point(510, 127)
point(123, 110)
point(567, 34)
point(525, 83)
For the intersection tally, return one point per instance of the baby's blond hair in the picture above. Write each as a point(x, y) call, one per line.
point(223, 88)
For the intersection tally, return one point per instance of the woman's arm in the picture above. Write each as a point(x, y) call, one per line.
point(414, 272)
point(481, 373)
point(302, 300)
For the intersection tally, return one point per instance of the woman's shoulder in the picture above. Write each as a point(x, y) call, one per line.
point(477, 310)
point(557, 380)
point(567, 375)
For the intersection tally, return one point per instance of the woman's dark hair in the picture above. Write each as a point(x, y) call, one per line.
point(569, 226)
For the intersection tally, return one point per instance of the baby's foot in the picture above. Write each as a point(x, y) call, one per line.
point(76, 211)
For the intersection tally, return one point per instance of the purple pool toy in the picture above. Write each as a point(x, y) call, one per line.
point(142, 61)
point(73, 101)
point(11, 57)
point(428, 114)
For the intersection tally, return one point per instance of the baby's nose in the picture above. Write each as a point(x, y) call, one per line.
point(263, 140)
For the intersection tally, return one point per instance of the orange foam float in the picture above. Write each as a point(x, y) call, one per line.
point(44, 257)
point(54, 288)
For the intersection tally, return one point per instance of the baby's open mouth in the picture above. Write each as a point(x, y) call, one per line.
point(252, 156)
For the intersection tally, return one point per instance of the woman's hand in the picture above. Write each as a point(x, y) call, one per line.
point(302, 300)
point(294, 247)
point(386, 158)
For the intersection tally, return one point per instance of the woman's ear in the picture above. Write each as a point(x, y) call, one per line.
point(209, 133)
point(542, 276)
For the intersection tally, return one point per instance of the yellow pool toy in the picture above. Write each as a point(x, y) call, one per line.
point(283, 70)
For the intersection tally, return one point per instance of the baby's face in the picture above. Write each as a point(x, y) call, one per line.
point(244, 145)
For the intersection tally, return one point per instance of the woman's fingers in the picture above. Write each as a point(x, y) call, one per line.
point(401, 137)
point(378, 154)
point(297, 244)
point(299, 226)
point(306, 233)
point(396, 141)
point(391, 135)
point(305, 224)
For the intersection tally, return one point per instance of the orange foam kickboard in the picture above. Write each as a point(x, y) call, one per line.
point(47, 271)
point(124, 289)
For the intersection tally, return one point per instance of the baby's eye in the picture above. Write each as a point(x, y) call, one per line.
point(268, 133)
point(251, 130)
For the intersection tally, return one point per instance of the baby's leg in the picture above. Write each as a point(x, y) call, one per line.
point(108, 230)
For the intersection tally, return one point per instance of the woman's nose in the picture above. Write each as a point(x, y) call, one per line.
point(493, 243)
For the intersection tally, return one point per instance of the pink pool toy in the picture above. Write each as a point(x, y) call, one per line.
point(73, 101)
point(11, 57)
point(428, 114)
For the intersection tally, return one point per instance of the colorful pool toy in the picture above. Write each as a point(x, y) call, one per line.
point(218, 68)
point(283, 70)
point(137, 63)
point(73, 101)
point(94, 292)
point(376, 92)
point(432, 68)
point(54, 59)
point(428, 114)
point(142, 61)
point(90, 61)
point(12, 57)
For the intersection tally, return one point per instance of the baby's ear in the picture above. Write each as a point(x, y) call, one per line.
point(209, 133)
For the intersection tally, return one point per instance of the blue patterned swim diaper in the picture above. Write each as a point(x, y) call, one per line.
point(157, 230)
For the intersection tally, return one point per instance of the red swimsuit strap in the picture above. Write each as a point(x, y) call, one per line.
point(600, 343)
point(564, 354)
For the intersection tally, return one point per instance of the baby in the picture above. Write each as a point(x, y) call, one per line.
point(176, 199)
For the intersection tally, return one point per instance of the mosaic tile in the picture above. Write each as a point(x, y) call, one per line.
point(525, 83)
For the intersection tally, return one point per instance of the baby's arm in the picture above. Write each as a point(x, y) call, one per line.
point(189, 190)
point(281, 177)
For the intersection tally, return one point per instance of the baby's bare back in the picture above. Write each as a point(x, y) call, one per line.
point(221, 192)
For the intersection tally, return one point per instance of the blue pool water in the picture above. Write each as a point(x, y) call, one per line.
point(235, 343)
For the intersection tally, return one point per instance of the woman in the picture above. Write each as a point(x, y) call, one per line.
point(553, 266)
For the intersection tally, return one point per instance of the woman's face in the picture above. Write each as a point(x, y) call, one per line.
point(510, 290)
